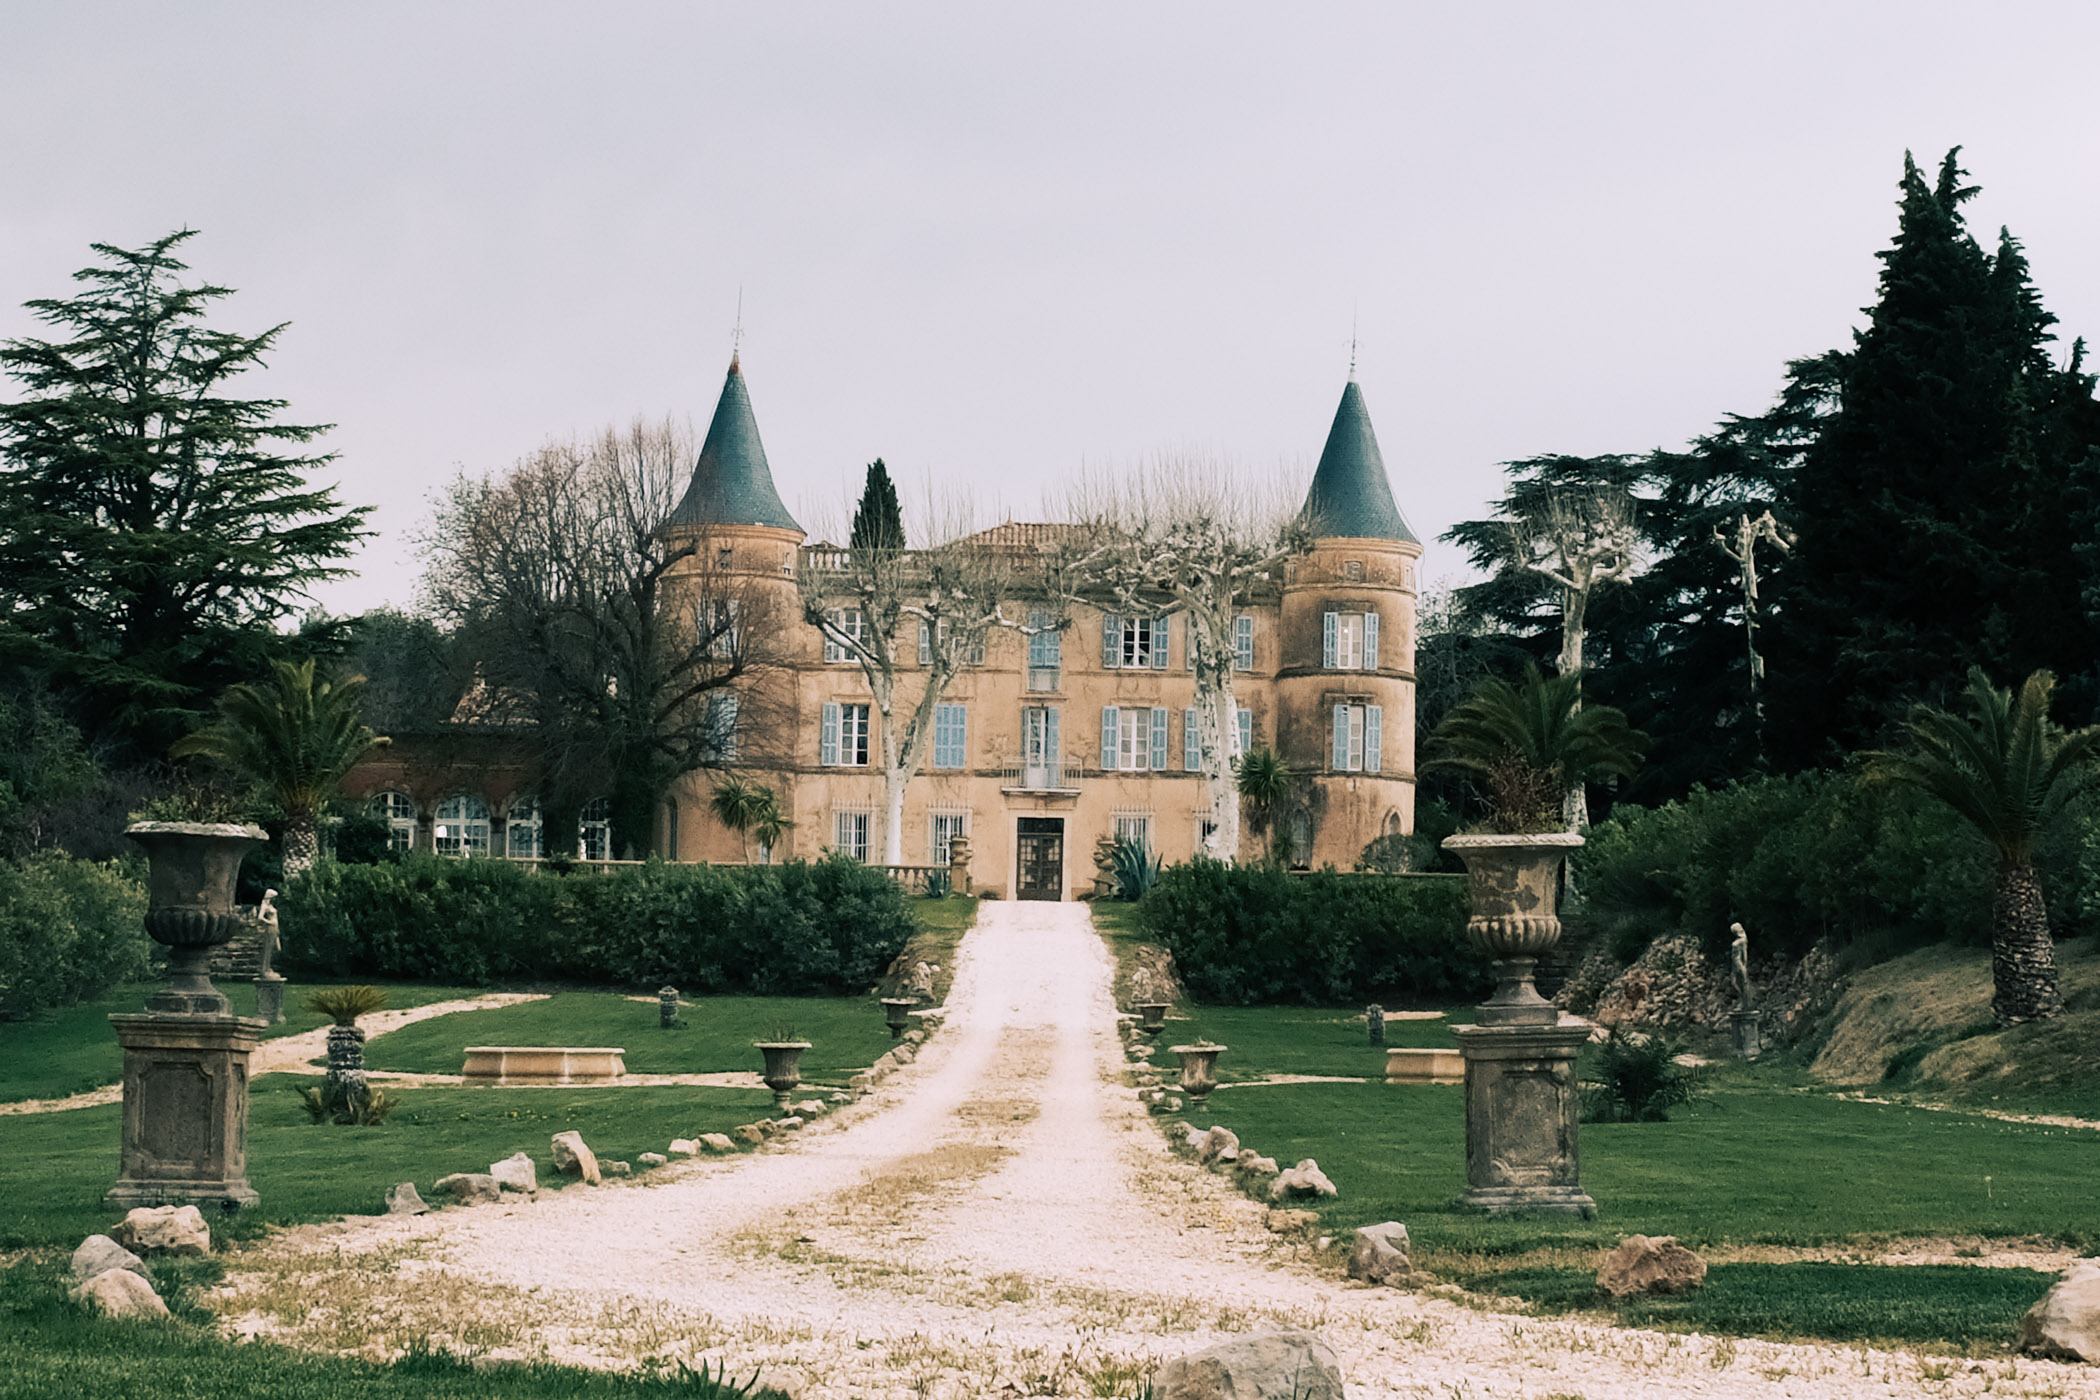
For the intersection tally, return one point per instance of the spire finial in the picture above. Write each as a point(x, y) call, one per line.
point(1352, 344)
point(736, 335)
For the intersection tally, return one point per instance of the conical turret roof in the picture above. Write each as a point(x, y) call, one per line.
point(1350, 496)
point(732, 485)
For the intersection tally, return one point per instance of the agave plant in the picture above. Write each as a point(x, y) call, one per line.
point(1136, 868)
point(1529, 743)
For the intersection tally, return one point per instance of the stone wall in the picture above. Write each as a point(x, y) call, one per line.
point(1673, 985)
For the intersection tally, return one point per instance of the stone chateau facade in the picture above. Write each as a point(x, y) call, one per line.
point(1050, 744)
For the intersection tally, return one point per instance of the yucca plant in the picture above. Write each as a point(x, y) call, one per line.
point(293, 738)
point(1638, 1080)
point(343, 1005)
point(1529, 743)
point(2010, 773)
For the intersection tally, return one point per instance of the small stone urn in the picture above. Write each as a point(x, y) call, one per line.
point(783, 1068)
point(189, 905)
point(1152, 1016)
point(1199, 1069)
point(896, 1014)
point(1514, 882)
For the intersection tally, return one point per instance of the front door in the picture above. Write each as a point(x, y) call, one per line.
point(1042, 858)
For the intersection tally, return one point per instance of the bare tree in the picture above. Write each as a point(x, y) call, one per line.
point(1576, 540)
point(1185, 533)
point(1741, 548)
point(631, 658)
point(911, 619)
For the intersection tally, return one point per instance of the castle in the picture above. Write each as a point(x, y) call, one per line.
point(1049, 743)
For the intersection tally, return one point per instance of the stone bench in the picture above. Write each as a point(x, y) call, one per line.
point(544, 1064)
point(1425, 1067)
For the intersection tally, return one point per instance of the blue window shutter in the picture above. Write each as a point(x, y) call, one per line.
point(1050, 742)
point(1191, 741)
point(962, 737)
point(828, 743)
point(1159, 738)
point(1246, 717)
point(1370, 641)
point(1162, 641)
point(1108, 738)
point(925, 643)
point(1329, 627)
point(1341, 735)
point(1243, 642)
point(1373, 721)
point(1111, 641)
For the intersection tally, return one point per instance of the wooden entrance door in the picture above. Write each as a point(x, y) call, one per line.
point(1041, 873)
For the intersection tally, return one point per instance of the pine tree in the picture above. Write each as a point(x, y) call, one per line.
point(878, 521)
point(153, 530)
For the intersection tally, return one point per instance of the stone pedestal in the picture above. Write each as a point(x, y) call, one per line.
point(1748, 1034)
point(185, 1110)
point(1522, 1109)
point(269, 999)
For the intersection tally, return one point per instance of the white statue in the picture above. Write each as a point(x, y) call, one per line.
point(1739, 965)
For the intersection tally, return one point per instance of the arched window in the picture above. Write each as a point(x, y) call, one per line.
point(399, 809)
point(522, 829)
point(594, 832)
point(462, 827)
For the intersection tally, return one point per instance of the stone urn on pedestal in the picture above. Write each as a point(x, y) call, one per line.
point(896, 1014)
point(1522, 1102)
point(783, 1068)
point(1199, 1069)
point(1152, 1016)
point(185, 1128)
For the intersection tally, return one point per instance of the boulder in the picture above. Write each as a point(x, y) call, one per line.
point(1282, 1222)
point(914, 1037)
point(839, 1096)
point(810, 1108)
point(572, 1157)
point(99, 1254)
point(718, 1143)
point(1197, 1139)
point(1279, 1363)
point(1252, 1164)
point(2065, 1325)
point(1219, 1145)
point(1305, 1179)
point(469, 1187)
point(164, 1230)
point(652, 1159)
point(1171, 1105)
point(402, 1198)
point(790, 1124)
point(1380, 1255)
point(861, 1083)
point(903, 1054)
point(1650, 1264)
point(684, 1147)
point(516, 1173)
point(121, 1293)
point(748, 1132)
point(617, 1168)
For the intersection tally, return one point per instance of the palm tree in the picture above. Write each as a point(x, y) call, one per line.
point(1264, 782)
point(294, 738)
point(746, 807)
point(1529, 742)
point(2010, 773)
point(771, 825)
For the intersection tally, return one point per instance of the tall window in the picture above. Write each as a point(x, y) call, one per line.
point(844, 741)
point(851, 621)
point(722, 708)
point(521, 830)
point(1135, 826)
point(1133, 740)
point(1134, 643)
point(1349, 641)
point(850, 834)
point(462, 827)
point(942, 828)
point(972, 654)
point(1356, 738)
point(951, 730)
point(1041, 762)
point(718, 625)
point(1045, 651)
point(1243, 643)
point(1237, 742)
point(594, 831)
point(399, 809)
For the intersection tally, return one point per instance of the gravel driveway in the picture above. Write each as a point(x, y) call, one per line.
point(1000, 1219)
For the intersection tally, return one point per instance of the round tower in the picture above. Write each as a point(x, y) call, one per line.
point(1345, 691)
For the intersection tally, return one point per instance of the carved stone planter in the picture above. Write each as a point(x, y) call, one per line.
point(1199, 1069)
point(783, 1068)
point(896, 1014)
point(1522, 1108)
point(185, 1130)
point(1152, 1016)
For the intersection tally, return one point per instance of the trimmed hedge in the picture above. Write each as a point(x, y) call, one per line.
point(797, 929)
point(1249, 935)
point(69, 930)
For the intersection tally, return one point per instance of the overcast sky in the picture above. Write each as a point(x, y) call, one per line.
point(987, 242)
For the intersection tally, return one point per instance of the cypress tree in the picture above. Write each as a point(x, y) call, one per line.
point(878, 521)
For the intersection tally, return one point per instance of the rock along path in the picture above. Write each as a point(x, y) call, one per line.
point(1000, 1219)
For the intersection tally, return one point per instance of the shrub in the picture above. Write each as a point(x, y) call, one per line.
point(347, 1105)
point(1638, 1081)
point(1136, 869)
point(795, 929)
point(1244, 935)
point(69, 930)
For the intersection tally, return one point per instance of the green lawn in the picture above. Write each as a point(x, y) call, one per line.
point(846, 1034)
point(74, 1050)
point(1264, 1040)
point(58, 1164)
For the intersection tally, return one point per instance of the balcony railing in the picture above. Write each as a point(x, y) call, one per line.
point(1059, 776)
